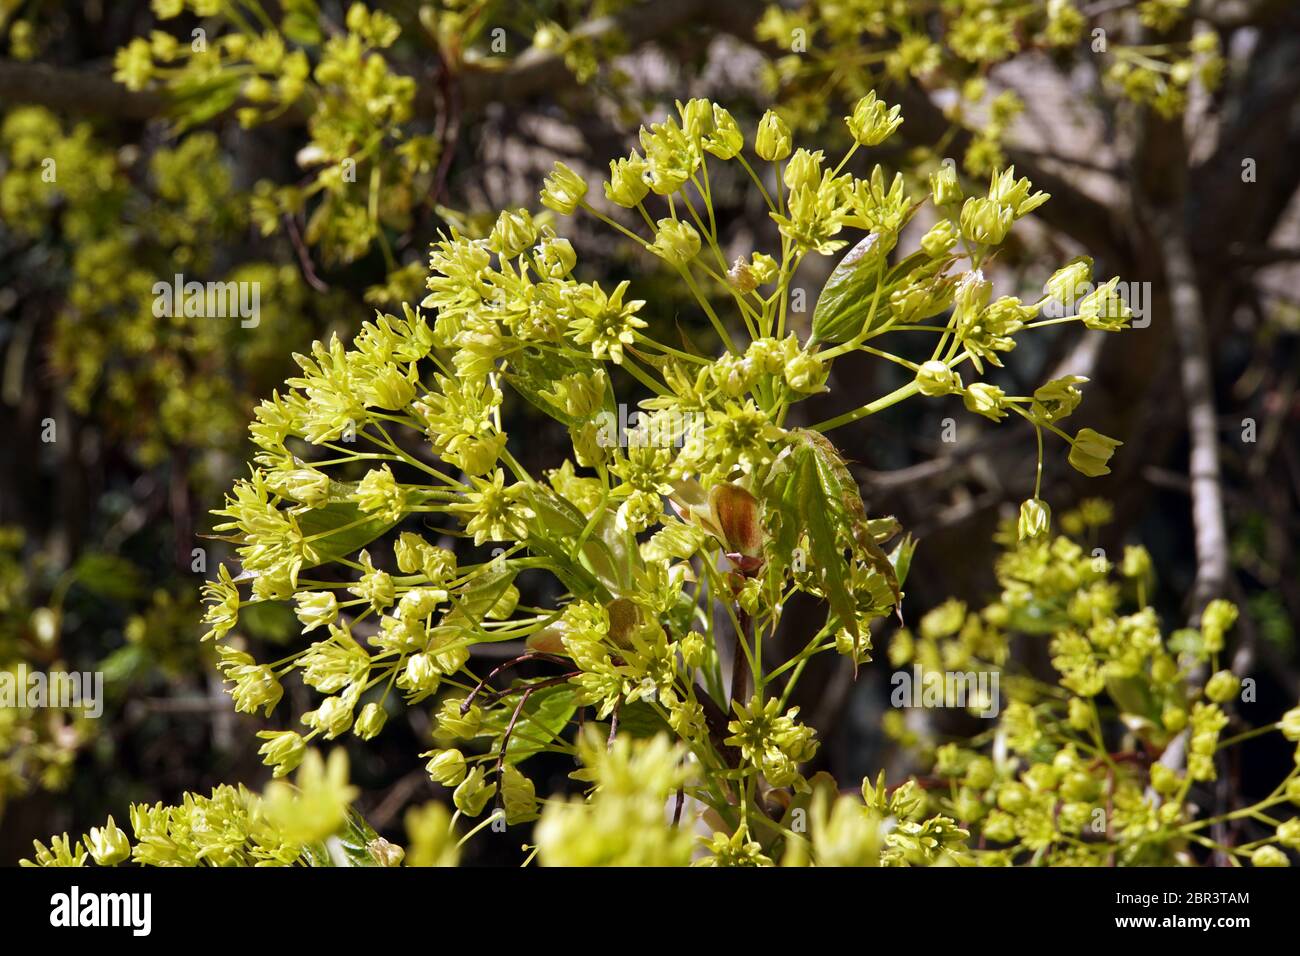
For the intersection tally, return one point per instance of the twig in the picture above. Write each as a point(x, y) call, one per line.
point(303, 254)
point(741, 686)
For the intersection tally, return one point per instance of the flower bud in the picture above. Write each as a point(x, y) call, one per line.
point(806, 373)
point(941, 237)
point(1222, 687)
point(1216, 620)
point(873, 121)
point(944, 187)
point(764, 267)
point(1288, 833)
point(1068, 282)
point(418, 603)
point(446, 767)
point(370, 722)
point(1269, 856)
point(1136, 563)
point(555, 256)
point(513, 233)
point(773, 139)
point(1013, 797)
point(987, 400)
point(331, 718)
point(935, 378)
point(1091, 451)
point(1079, 787)
point(726, 139)
point(473, 793)
point(316, 609)
point(450, 652)
point(697, 118)
point(1164, 669)
point(1000, 827)
point(1173, 718)
point(803, 170)
point(676, 241)
point(692, 648)
point(627, 185)
point(1291, 724)
point(1104, 309)
point(1164, 780)
point(985, 221)
point(518, 796)
point(563, 189)
point(283, 750)
point(452, 722)
point(385, 853)
point(1035, 518)
point(1079, 714)
point(108, 844)
point(1041, 777)
point(979, 773)
point(421, 674)
point(307, 485)
point(409, 552)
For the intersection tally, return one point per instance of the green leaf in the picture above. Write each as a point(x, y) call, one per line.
point(344, 527)
point(606, 557)
point(845, 300)
point(124, 664)
point(824, 514)
point(195, 100)
point(536, 372)
point(816, 494)
point(349, 847)
point(901, 558)
point(301, 28)
point(544, 717)
point(108, 576)
point(1188, 640)
point(269, 621)
point(1133, 696)
point(837, 481)
point(639, 719)
point(481, 594)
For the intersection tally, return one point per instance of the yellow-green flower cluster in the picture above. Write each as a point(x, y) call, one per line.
point(703, 502)
point(1075, 776)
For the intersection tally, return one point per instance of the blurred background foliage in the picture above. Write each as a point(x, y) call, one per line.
point(316, 148)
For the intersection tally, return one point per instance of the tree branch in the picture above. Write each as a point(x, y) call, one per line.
point(76, 91)
point(532, 73)
point(1212, 565)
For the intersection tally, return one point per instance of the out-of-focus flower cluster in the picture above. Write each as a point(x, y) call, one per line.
point(1074, 772)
